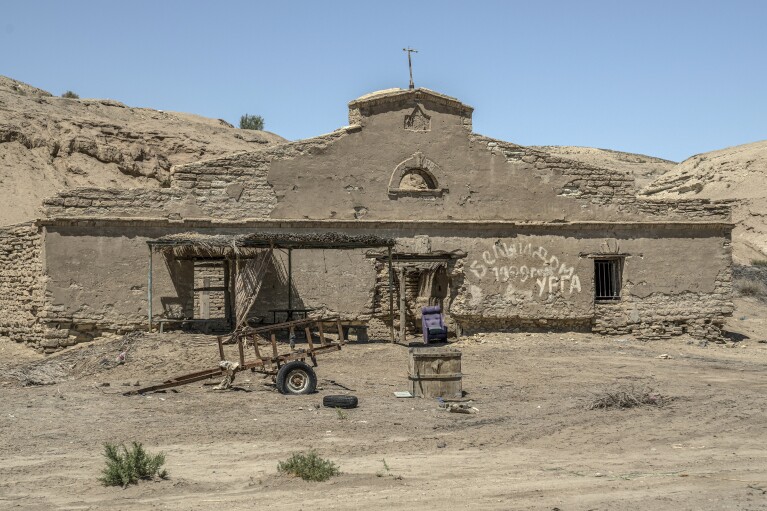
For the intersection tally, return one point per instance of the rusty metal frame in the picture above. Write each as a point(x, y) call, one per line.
point(265, 364)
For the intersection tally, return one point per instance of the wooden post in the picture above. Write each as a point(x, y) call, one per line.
point(322, 333)
point(255, 347)
point(149, 288)
point(402, 306)
point(276, 359)
point(340, 332)
point(308, 333)
point(240, 342)
point(391, 297)
point(290, 283)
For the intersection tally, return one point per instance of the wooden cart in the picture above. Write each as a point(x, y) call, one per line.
point(291, 372)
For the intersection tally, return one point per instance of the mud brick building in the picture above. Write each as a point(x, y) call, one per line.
point(503, 236)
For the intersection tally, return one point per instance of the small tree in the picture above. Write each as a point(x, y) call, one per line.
point(251, 122)
point(70, 95)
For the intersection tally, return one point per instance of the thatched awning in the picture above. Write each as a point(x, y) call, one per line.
point(222, 245)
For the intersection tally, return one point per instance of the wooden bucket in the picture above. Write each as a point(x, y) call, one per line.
point(435, 372)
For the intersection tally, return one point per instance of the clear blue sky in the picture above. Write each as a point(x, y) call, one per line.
point(665, 78)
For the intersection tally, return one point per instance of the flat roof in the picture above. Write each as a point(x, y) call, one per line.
point(284, 240)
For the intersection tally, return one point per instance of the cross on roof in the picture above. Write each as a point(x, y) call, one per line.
point(410, 64)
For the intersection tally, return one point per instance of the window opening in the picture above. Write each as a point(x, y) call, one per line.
point(607, 278)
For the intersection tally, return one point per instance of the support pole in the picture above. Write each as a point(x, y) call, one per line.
point(402, 307)
point(149, 288)
point(290, 283)
point(391, 298)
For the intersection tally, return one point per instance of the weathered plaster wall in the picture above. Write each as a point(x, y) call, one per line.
point(334, 281)
point(21, 295)
point(535, 276)
point(678, 282)
point(97, 281)
point(350, 177)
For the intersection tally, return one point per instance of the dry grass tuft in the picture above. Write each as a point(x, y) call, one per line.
point(754, 288)
point(627, 396)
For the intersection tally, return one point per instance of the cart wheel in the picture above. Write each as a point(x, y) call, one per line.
point(296, 378)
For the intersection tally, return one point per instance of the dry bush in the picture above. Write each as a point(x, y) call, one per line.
point(747, 287)
point(626, 396)
point(77, 362)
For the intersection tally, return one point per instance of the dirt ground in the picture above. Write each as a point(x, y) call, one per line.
point(532, 444)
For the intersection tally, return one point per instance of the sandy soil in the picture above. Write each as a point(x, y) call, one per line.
point(532, 445)
point(736, 173)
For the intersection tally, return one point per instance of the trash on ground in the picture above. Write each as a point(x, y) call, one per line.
point(459, 408)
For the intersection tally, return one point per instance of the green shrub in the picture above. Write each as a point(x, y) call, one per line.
point(70, 95)
point(309, 467)
point(759, 262)
point(251, 122)
point(126, 466)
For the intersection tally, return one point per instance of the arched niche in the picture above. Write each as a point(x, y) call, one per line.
point(417, 176)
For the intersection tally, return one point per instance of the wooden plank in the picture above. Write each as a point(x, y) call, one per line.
point(322, 333)
point(205, 298)
point(241, 348)
point(340, 331)
point(175, 383)
point(274, 349)
point(286, 324)
point(255, 347)
point(308, 333)
point(220, 348)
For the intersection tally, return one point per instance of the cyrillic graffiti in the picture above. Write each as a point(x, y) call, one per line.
point(549, 273)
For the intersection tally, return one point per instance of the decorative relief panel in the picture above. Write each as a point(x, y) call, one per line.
point(417, 120)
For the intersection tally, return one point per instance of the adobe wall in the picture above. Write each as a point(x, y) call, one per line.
point(97, 279)
point(21, 286)
point(674, 282)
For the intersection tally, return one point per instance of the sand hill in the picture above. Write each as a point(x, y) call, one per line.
point(50, 143)
point(738, 173)
point(644, 168)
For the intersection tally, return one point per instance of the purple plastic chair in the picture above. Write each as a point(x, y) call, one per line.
point(434, 328)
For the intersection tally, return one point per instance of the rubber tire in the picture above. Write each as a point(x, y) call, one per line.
point(284, 374)
point(340, 401)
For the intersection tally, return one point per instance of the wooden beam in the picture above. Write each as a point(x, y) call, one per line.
point(402, 307)
point(391, 297)
point(149, 289)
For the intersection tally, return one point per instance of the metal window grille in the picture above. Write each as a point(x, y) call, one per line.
point(607, 279)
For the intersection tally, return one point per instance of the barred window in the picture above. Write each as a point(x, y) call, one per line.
point(607, 278)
